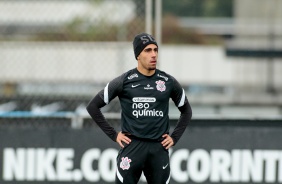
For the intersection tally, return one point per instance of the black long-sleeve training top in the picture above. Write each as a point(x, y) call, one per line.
point(144, 105)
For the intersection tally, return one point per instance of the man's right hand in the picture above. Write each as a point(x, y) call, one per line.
point(121, 137)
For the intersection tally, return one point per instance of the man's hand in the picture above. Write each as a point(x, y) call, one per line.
point(122, 138)
point(167, 142)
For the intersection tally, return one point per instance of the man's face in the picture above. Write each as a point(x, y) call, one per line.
point(148, 57)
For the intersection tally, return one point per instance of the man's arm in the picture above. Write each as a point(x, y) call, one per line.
point(185, 117)
point(181, 101)
point(93, 109)
point(111, 90)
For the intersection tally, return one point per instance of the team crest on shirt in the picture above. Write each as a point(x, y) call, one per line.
point(161, 85)
point(125, 163)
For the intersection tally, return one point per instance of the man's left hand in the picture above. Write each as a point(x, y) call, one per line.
point(167, 142)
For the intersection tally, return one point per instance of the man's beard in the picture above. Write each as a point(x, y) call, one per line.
point(152, 68)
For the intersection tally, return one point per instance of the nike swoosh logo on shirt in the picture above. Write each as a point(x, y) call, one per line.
point(165, 166)
point(134, 86)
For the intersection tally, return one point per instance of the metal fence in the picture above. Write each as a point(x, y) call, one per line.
point(57, 54)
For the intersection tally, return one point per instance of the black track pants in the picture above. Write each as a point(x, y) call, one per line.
point(147, 156)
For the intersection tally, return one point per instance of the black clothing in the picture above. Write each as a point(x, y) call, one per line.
point(147, 156)
point(144, 119)
point(144, 103)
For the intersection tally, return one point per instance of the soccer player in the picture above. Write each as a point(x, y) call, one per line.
point(144, 94)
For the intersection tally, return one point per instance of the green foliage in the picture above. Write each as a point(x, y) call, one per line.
point(199, 8)
point(83, 29)
point(174, 34)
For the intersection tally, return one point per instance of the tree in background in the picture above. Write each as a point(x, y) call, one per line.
point(82, 29)
point(199, 8)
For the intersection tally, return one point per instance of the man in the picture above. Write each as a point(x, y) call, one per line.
point(144, 94)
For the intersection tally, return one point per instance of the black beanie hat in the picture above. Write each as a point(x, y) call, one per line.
point(141, 41)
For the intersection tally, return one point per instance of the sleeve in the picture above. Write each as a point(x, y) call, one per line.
point(181, 101)
point(112, 90)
